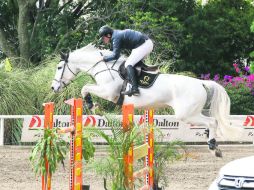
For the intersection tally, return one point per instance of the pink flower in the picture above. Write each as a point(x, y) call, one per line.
point(235, 65)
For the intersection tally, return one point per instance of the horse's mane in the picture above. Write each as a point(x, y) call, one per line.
point(88, 47)
point(89, 52)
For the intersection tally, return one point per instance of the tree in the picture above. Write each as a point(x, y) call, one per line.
point(161, 20)
point(216, 35)
point(31, 29)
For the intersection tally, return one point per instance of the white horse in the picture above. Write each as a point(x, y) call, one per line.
point(186, 95)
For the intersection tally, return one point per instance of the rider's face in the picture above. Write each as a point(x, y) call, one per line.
point(106, 39)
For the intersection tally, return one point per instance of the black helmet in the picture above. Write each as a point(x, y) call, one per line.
point(105, 30)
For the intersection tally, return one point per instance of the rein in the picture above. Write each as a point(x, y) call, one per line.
point(108, 69)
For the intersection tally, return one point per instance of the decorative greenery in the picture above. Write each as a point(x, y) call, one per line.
point(88, 148)
point(112, 167)
point(52, 147)
point(163, 154)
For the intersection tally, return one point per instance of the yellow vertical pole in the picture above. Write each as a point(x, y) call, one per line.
point(128, 118)
point(48, 124)
point(78, 144)
point(75, 181)
point(149, 138)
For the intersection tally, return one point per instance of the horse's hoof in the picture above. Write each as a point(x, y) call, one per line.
point(218, 153)
point(213, 147)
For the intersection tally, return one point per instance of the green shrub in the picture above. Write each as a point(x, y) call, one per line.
point(16, 93)
point(241, 100)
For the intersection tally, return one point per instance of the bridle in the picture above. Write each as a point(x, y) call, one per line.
point(66, 65)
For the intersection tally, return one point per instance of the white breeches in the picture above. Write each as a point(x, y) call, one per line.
point(139, 53)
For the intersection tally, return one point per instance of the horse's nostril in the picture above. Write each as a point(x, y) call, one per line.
point(52, 88)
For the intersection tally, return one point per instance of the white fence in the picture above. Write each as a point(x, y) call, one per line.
point(172, 129)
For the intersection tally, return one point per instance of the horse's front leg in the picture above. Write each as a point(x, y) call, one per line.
point(106, 91)
point(88, 100)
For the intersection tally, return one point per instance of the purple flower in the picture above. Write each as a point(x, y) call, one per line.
point(228, 78)
point(205, 76)
point(247, 68)
point(216, 77)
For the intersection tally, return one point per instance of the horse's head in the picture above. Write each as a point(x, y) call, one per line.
point(64, 74)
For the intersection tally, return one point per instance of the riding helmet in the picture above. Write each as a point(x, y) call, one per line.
point(105, 30)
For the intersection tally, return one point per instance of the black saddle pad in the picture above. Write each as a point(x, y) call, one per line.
point(145, 79)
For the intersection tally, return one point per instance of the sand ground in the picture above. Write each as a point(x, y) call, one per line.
point(193, 174)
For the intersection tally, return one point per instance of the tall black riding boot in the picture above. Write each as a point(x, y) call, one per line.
point(132, 77)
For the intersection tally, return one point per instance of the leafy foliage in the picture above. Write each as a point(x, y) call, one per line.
point(160, 20)
point(112, 167)
point(169, 152)
point(88, 148)
point(241, 100)
point(53, 148)
point(50, 147)
point(16, 93)
point(216, 35)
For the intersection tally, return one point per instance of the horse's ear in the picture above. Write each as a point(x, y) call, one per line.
point(64, 56)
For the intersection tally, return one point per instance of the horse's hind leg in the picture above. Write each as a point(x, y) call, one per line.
point(211, 124)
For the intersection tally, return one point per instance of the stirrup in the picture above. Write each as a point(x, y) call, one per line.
point(131, 92)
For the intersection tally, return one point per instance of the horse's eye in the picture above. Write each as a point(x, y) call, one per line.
point(59, 68)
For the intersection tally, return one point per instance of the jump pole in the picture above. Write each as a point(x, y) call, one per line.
point(48, 124)
point(128, 113)
point(146, 150)
point(75, 130)
point(149, 139)
point(75, 180)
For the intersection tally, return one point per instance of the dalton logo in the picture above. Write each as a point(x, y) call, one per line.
point(35, 122)
point(249, 121)
point(90, 121)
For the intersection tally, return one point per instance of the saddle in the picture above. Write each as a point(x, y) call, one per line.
point(146, 75)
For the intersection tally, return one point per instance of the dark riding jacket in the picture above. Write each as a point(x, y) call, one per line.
point(124, 39)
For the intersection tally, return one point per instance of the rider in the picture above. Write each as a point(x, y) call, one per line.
point(139, 44)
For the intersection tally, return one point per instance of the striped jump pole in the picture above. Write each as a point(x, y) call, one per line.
point(48, 124)
point(146, 150)
point(75, 180)
point(128, 116)
point(149, 139)
point(75, 130)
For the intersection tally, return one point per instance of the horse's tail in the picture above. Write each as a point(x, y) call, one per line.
point(220, 110)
